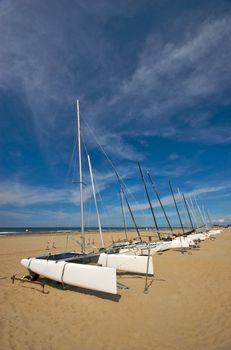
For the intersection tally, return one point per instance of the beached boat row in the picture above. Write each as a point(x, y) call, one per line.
point(97, 271)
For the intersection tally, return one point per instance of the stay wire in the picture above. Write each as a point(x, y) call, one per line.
point(121, 182)
point(110, 162)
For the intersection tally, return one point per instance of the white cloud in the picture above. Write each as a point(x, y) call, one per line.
point(166, 62)
point(13, 193)
point(21, 204)
point(173, 156)
point(168, 200)
point(173, 76)
point(19, 194)
point(174, 90)
point(53, 56)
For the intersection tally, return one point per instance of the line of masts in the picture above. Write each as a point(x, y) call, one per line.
point(192, 209)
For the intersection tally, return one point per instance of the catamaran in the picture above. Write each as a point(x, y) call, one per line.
point(140, 247)
point(96, 271)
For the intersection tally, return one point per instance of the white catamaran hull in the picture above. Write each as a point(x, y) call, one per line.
point(151, 250)
point(176, 243)
point(141, 249)
point(80, 275)
point(214, 232)
point(197, 236)
point(129, 263)
point(166, 245)
point(179, 243)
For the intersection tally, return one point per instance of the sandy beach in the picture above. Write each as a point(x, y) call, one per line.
point(188, 304)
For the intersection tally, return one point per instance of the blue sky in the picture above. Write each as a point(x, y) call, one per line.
point(153, 79)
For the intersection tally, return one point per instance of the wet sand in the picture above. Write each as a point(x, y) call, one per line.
point(188, 304)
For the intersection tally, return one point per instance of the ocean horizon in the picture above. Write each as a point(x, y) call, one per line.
point(66, 229)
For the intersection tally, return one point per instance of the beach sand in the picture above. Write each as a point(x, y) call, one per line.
point(188, 304)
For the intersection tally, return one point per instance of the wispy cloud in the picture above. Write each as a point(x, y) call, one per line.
point(22, 203)
point(44, 56)
point(38, 218)
point(174, 75)
point(168, 200)
point(178, 84)
point(173, 156)
point(169, 61)
point(16, 194)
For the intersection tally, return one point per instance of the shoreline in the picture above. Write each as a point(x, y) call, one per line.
point(36, 231)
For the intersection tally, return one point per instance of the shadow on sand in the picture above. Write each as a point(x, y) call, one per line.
point(57, 285)
point(98, 294)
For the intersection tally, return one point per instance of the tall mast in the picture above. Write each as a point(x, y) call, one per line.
point(123, 213)
point(176, 207)
point(204, 216)
point(96, 205)
point(130, 211)
point(126, 200)
point(149, 201)
point(186, 205)
point(190, 206)
point(181, 203)
point(210, 221)
point(80, 179)
point(159, 200)
point(199, 211)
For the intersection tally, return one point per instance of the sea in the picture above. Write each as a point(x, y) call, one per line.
point(7, 231)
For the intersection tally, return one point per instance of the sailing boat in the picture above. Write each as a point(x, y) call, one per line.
point(96, 271)
point(140, 247)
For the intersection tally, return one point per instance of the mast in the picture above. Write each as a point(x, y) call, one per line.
point(130, 211)
point(176, 207)
point(149, 201)
point(199, 211)
point(123, 213)
point(181, 203)
point(126, 200)
point(96, 205)
point(193, 211)
point(80, 180)
point(123, 191)
point(187, 208)
point(210, 221)
point(159, 200)
point(204, 216)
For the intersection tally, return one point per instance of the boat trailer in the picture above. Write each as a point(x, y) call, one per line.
point(29, 279)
